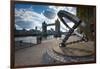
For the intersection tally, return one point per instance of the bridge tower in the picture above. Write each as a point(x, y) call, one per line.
point(44, 29)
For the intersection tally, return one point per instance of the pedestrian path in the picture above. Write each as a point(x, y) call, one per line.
point(32, 55)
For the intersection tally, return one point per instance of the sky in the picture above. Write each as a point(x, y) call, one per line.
point(29, 16)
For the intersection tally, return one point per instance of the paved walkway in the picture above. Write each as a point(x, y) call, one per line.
point(32, 55)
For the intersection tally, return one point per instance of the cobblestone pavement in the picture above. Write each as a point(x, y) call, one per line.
point(32, 55)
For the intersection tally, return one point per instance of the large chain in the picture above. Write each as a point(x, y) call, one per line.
point(73, 42)
point(84, 38)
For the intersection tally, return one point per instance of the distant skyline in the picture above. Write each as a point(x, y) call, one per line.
point(29, 16)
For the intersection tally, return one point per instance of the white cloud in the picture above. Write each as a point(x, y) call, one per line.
point(66, 8)
point(69, 9)
point(27, 18)
point(18, 27)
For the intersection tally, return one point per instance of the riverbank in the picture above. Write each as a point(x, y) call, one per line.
point(34, 55)
point(21, 45)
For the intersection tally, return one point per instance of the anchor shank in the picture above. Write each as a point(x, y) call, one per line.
point(69, 33)
point(72, 18)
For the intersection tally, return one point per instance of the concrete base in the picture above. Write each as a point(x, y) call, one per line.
point(77, 52)
point(78, 49)
point(52, 57)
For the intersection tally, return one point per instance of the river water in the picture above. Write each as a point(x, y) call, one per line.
point(30, 39)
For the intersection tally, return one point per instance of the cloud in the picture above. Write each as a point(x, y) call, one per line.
point(49, 14)
point(18, 27)
point(27, 18)
point(66, 8)
point(72, 10)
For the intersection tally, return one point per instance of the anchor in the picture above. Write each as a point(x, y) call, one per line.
point(77, 21)
point(66, 51)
